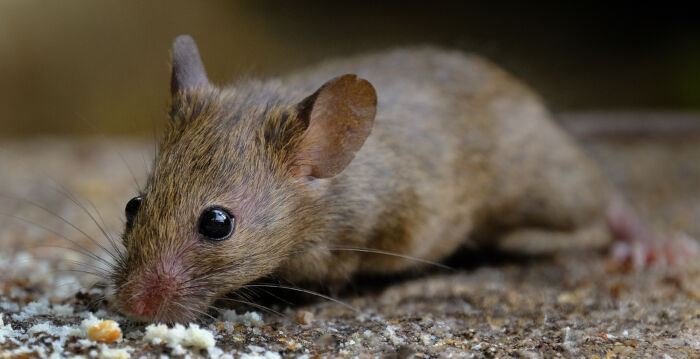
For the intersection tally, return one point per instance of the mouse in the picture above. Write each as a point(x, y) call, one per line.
point(313, 176)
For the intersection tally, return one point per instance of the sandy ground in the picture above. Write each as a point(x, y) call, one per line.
point(491, 305)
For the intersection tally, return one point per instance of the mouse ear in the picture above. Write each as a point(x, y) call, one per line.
point(340, 117)
point(188, 70)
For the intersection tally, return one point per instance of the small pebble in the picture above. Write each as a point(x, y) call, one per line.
point(305, 317)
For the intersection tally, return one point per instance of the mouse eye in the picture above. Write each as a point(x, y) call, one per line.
point(132, 207)
point(216, 224)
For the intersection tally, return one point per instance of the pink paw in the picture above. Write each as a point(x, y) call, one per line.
point(637, 247)
point(637, 255)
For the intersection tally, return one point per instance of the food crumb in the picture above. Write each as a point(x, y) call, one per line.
point(199, 337)
point(110, 353)
point(257, 352)
point(155, 333)
point(178, 337)
point(249, 319)
point(106, 331)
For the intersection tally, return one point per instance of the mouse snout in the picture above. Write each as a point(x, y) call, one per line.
point(152, 296)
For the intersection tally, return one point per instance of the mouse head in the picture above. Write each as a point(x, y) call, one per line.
point(231, 195)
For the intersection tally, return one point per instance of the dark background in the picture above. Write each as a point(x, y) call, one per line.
point(85, 67)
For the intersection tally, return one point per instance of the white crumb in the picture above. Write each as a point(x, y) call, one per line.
point(62, 310)
point(33, 309)
point(198, 337)
point(155, 333)
point(178, 337)
point(257, 352)
point(249, 319)
point(88, 322)
point(109, 353)
point(5, 331)
point(41, 327)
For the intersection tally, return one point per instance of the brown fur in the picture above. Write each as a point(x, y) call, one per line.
point(458, 148)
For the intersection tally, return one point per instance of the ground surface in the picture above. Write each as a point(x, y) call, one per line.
point(567, 305)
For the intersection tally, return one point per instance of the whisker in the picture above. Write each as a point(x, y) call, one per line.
point(186, 269)
point(195, 310)
point(15, 208)
point(307, 291)
point(267, 292)
point(160, 309)
point(82, 271)
point(209, 274)
point(64, 221)
point(119, 153)
point(145, 167)
point(131, 172)
point(213, 272)
point(64, 191)
point(393, 254)
point(241, 293)
point(99, 269)
point(47, 246)
point(65, 282)
point(383, 252)
point(195, 286)
point(84, 250)
point(104, 225)
point(95, 302)
point(73, 198)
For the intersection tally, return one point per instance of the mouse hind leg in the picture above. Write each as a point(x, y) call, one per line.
point(549, 192)
point(544, 182)
point(555, 208)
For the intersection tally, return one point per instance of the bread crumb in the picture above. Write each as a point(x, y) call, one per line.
point(64, 310)
point(257, 352)
point(178, 337)
point(105, 332)
point(41, 327)
point(109, 353)
point(32, 309)
point(88, 322)
point(198, 337)
point(6, 331)
point(155, 333)
point(249, 319)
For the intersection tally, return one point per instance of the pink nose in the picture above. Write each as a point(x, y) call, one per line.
point(152, 296)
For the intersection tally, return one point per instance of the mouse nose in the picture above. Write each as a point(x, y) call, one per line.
point(152, 296)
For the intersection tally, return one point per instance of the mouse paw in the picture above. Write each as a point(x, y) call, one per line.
point(635, 255)
point(637, 247)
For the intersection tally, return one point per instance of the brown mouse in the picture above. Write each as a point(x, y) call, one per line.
point(416, 151)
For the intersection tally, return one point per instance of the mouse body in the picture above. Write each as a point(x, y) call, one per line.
point(416, 151)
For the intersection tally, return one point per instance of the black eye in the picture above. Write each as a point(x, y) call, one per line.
point(216, 224)
point(132, 207)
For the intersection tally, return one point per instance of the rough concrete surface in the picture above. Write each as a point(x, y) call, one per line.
point(491, 305)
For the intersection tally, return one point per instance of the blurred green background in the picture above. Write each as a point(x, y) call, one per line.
point(85, 67)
